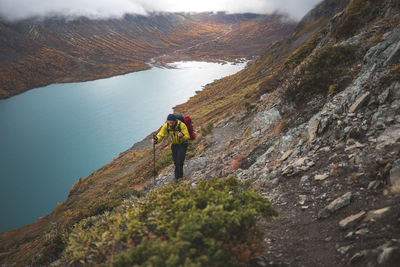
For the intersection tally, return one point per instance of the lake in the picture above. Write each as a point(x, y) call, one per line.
point(51, 136)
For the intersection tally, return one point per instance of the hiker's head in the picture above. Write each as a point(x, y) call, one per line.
point(171, 120)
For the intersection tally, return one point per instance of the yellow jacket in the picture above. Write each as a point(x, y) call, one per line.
point(166, 130)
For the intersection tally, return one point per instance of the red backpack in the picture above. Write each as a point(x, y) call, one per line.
point(188, 122)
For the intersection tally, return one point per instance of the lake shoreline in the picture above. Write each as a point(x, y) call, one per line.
point(162, 61)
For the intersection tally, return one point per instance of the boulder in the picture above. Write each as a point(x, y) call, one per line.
point(266, 118)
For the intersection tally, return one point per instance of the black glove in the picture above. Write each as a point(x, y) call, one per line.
point(155, 138)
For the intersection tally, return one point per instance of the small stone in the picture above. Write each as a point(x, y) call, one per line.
point(395, 174)
point(373, 185)
point(389, 139)
point(362, 231)
point(300, 161)
point(376, 214)
point(380, 125)
point(304, 207)
point(344, 250)
point(329, 238)
point(325, 149)
point(360, 101)
point(382, 98)
point(320, 177)
point(275, 181)
point(261, 263)
point(358, 257)
point(286, 155)
point(350, 235)
point(387, 254)
point(336, 205)
point(351, 220)
point(310, 164)
point(303, 199)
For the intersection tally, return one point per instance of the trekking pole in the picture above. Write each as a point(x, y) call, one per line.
point(154, 156)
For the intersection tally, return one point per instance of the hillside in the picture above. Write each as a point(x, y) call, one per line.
point(39, 52)
point(312, 124)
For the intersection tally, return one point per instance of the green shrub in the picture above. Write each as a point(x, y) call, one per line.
point(324, 71)
point(108, 202)
point(357, 14)
point(212, 224)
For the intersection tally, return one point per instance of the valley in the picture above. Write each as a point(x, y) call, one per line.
point(38, 52)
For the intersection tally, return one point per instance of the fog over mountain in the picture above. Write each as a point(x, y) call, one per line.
point(14, 10)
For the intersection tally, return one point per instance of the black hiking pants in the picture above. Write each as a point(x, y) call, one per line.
point(178, 155)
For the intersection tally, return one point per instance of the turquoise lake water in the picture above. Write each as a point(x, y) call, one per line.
point(52, 136)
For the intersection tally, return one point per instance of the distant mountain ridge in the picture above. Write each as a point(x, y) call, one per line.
point(38, 52)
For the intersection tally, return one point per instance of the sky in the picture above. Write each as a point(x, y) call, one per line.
point(13, 10)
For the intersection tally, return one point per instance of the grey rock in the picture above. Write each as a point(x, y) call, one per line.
point(344, 250)
point(320, 177)
point(382, 98)
point(395, 105)
point(395, 174)
point(360, 101)
point(286, 142)
point(354, 40)
point(362, 231)
point(387, 254)
point(286, 155)
point(304, 180)
point(351, 220)
point(373, 185)
point(389, 140)
point(265, 118)
point(374, 215)
point(359, 256)
point(336, 205)
point(302, 199)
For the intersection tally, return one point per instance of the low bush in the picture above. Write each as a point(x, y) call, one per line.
point(324, 72)
point(356, 15)
point(212, 224)
point(108, 203)
point(300, 54)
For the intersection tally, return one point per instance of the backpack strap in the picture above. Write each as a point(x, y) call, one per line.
point(179, 127)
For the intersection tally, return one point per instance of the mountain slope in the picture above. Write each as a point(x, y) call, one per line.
point(312, 124)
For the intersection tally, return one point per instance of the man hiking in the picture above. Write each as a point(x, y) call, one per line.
point(179, 136)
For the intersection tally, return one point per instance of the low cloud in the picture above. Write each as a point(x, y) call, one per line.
point(22, 9)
